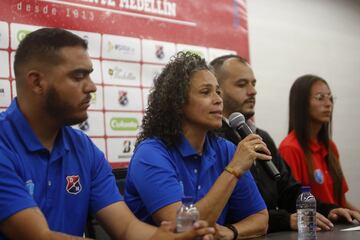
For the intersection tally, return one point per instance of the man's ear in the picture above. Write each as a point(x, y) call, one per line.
point(36, 82)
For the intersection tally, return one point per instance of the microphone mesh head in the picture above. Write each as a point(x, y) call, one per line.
point(236, 119)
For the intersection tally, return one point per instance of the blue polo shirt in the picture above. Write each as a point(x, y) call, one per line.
point(159, 176)
point(66, 183)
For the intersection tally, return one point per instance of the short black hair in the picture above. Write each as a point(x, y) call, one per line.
point(43, 45)
point(218, 62)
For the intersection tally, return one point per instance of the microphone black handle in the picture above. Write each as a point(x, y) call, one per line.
point(270, 168)
point(244, 130)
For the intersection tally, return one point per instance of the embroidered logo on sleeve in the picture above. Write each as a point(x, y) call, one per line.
point(319, 176)
point(73, 185)
point(30, 187)
point(182, 187)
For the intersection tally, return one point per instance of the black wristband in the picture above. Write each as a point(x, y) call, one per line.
point(233, 229)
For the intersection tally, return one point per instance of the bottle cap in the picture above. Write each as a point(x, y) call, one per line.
point(305, 189)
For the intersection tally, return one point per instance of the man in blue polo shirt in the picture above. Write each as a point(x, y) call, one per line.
point(52, 176)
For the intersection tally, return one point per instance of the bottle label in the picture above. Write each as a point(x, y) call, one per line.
point(306, 223)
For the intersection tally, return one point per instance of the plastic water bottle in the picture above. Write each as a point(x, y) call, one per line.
point(306, 215)
point(186, 215)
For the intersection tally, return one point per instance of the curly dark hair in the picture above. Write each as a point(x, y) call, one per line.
point(164, 114)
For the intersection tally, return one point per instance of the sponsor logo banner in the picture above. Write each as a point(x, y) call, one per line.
point(122, 123)
point(129, 43)
point(120, 149)
point(156, 51)
point(121, 48)
point(121, 73)
point(123, 98)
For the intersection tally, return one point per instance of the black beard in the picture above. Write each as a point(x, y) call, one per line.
point(59, 110)
point(248, 115)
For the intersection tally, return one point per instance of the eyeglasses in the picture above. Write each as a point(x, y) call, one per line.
point(322, 96)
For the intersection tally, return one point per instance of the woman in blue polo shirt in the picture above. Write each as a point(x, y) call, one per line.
point(177, 155)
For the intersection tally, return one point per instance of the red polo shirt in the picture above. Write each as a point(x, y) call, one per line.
point(322, 187)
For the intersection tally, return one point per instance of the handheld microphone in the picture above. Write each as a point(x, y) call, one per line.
point(238, 124)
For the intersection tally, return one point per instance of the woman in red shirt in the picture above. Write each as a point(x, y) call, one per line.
point(308, 148)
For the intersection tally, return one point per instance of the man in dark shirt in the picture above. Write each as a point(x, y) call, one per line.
point(237, 82)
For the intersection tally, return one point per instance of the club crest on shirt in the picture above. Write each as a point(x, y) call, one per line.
point(319, 176)
point(73, 185)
